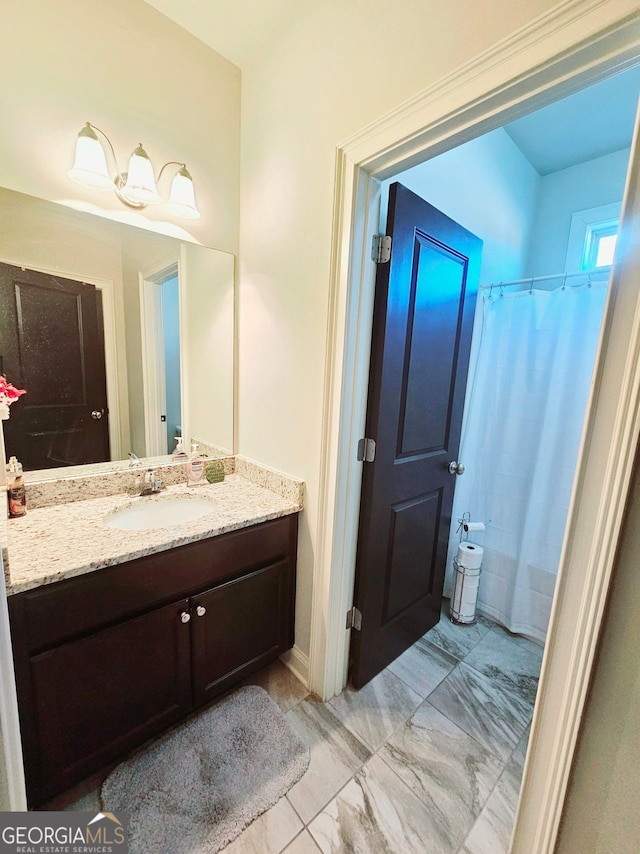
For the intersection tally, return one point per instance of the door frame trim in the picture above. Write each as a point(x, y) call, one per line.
point(576, 43)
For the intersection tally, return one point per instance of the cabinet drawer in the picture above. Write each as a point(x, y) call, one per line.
point(55, 613)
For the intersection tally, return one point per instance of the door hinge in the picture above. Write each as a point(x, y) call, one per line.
point(354, 619)
point(381, 249)
point(366, 450)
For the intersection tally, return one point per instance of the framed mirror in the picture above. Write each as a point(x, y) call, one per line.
point(123, 338)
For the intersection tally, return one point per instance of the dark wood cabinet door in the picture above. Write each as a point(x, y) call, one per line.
point(239, 627)
point(98, 696)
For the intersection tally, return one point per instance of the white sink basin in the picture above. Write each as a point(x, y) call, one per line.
point(159, 513)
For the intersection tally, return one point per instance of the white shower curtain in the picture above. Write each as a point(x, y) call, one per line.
point(520, 443)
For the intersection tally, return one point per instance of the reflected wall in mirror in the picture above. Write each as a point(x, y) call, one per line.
point(123, 338)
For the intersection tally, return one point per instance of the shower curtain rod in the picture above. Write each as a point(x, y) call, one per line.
point(531, 280)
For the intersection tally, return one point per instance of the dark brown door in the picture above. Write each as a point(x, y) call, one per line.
point(423, 318)
point(52, 344)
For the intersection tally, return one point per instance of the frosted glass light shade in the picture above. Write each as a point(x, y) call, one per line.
point(140, 185)
point(182, 200)
point(135, 188)
point(90, 164)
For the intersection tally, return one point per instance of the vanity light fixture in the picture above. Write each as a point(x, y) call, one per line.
point(136, 187)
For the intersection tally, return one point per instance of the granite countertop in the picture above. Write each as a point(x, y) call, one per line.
point(66, 540)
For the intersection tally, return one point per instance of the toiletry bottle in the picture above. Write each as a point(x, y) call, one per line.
point(16, 492)
point(10, 477)
point(179, 452)
point(196, 468)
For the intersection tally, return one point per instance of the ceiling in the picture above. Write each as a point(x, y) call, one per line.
point(234, 29)
point(588, 124)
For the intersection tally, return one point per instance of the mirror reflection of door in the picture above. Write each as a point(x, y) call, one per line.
point(160, 315)
point(52, 344)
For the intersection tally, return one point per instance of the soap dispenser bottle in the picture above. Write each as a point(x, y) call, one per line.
point(179, 454)
point(196, 468)
point(16, 493)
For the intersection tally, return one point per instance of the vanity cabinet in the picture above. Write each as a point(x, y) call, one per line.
point(111, 658)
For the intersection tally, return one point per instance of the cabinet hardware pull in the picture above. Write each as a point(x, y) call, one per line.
point(201, 610)
point(185, 616)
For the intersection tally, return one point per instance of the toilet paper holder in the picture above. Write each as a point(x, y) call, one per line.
point(466, 526)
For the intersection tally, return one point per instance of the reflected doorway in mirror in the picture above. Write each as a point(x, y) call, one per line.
point(161, 363)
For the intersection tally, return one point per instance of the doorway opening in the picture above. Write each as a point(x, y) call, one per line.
point(161, 364)
point(544, 194)
point(533, 216)
point(536, 291)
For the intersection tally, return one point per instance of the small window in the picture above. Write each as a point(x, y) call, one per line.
point(592, 237)
point(600, 244)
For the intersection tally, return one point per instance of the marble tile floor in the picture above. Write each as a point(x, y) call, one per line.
point(427, 757)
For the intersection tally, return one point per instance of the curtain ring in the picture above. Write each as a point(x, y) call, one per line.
point(564, 283)
point(501, 289)
point(531, 287)
point(589, 280)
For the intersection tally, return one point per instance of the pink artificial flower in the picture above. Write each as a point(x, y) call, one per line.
point(8, 392)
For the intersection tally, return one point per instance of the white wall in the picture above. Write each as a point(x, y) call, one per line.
point(587, 185)
point(127, 69)
point(490, 188)
point(332, 68)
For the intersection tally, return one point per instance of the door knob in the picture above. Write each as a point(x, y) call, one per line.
point(185, 616)
point(201, 610)
point(456, 467)
point(96, 414)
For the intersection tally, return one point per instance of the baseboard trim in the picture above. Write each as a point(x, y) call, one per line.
point(298, 663)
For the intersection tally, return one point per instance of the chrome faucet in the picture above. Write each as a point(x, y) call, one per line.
point(150, 484)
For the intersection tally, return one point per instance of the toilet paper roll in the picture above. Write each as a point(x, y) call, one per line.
point(473, 526)
point(470, 555)
point(466, 597)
